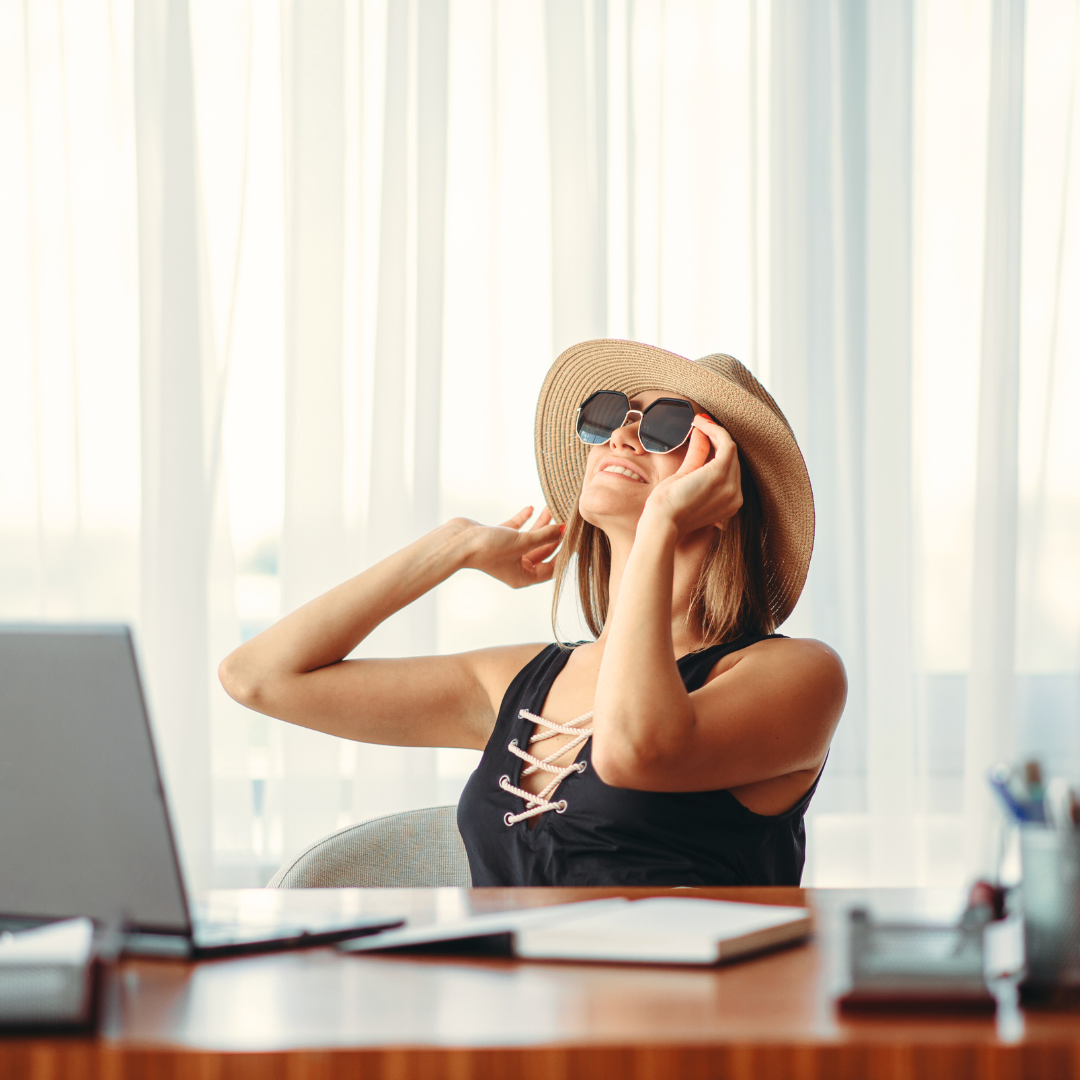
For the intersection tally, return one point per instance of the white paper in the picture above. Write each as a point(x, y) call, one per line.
point(658, 930)
point(473, 926)
point(67, 942)
point(662, 929)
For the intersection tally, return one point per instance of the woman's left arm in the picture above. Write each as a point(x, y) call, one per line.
point(771, 714)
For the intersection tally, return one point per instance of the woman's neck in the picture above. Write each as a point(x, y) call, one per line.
point(689, 556)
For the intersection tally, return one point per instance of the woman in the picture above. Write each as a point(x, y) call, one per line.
point(682, 746)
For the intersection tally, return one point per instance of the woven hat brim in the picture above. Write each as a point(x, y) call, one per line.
point(746, 411)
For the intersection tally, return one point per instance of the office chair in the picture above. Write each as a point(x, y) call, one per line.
point(412, 849)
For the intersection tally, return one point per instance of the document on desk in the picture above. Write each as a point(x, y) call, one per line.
point(657, 930)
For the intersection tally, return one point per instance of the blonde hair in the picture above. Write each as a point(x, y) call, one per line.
point(731, 598)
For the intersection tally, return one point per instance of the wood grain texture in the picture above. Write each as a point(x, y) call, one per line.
point(317, 1014)
point(1050, 1061)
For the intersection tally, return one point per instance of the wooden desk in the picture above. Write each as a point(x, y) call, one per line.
point(319, 1014)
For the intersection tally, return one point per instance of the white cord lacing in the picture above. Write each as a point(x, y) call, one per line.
point(541, 801)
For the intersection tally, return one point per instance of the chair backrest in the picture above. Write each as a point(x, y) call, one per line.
point(411, 849)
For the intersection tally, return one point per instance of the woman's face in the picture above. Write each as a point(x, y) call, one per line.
point(620, 474)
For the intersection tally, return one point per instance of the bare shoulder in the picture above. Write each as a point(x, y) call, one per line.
point(496, 667)
point(807, 656)
point(789, 668)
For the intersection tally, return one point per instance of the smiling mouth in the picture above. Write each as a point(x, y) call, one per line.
point(620, 470)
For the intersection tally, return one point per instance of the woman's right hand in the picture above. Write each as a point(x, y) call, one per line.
point(510, 552)
point(299, 669)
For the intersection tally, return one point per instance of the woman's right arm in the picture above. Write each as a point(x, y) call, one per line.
point(296, 670)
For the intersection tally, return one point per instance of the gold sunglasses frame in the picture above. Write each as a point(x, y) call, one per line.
point(641, 416)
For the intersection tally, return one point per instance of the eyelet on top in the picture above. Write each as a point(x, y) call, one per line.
point(508, 819)
point(541, 802)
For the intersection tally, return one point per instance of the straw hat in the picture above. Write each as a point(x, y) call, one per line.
point(722, 386)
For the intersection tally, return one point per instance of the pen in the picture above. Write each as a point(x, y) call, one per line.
point(1020, 810)
point(999, 781)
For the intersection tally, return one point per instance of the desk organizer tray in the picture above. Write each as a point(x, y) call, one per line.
point(49, 978)
point(915, 967)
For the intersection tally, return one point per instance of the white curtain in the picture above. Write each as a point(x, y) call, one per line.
point(279, 284)
point(840, 317)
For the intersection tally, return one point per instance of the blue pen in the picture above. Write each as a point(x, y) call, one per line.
point(1019, 811)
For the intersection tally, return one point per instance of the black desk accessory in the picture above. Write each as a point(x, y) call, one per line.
point(916, 967)
point(51, 976)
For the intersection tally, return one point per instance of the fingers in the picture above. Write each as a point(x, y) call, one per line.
point(708, 437)
point(542, 520)
point(697, 452)
point(735, 479)
point(539, 554)
point(550, 534)
point(544, 571)
point(718, 437)
point(519, 518)
point(522, 516)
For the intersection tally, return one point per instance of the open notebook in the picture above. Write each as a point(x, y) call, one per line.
point(660, 930)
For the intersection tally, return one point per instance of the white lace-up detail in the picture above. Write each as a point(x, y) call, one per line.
point(541, 801)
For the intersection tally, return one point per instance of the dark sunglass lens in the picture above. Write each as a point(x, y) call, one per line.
point(665, 426)
point(600, 416)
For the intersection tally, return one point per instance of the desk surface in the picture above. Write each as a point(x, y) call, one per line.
point(317, 1013)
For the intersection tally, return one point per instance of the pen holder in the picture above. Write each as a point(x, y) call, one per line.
point(1050, 900)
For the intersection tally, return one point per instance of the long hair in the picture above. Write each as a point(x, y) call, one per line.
point(730, 598)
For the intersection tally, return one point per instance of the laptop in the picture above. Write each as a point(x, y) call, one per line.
point(84, 822)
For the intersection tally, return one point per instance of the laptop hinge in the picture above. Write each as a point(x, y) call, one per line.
point(142, 943)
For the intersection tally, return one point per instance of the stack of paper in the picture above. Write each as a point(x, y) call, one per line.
point(46, 976)
point(661, 930)
point(665, 930)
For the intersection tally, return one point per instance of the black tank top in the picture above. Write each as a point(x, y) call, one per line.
point(616, 836)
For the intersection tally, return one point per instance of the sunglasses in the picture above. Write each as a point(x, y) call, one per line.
point(663, 426)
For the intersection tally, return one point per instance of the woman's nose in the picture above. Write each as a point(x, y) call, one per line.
point(627, 433)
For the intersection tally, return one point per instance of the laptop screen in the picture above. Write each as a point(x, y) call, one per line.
point(84, 828)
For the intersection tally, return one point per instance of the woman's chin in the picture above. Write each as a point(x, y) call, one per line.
point(604, 508)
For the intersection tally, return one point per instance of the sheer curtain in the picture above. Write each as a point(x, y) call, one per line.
point(280, 283)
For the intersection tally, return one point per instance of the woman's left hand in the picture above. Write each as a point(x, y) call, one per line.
point(707, 490)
